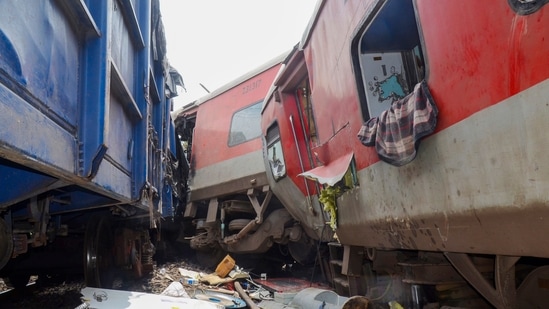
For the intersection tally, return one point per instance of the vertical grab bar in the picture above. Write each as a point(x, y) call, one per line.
point(309, 204)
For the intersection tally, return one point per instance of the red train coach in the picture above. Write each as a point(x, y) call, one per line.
point(417, 130)
point(230, 207)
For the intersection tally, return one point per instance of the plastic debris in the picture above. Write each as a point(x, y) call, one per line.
point(175, 289)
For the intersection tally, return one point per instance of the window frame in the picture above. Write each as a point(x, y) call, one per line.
point(231, 141)
point(357, 52)
point(272, 137)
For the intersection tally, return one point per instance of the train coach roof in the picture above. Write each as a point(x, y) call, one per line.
point(231, 84)
point(297, 48)
point(311, 24)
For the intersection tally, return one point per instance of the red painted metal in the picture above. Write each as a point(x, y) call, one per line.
point(214, 118)
point(477, 56)
point(478, 183)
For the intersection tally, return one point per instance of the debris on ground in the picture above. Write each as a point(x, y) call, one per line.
point(175, 289)
point(181, 283)
point(229, 286)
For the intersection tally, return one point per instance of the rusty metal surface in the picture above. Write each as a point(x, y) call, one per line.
point(308, 213)
point(272, 230)
point(421, 273)
point(503, 294)
point(534, 290)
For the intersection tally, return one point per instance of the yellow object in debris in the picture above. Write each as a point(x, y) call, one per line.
point(395, 305)
point(225, 266)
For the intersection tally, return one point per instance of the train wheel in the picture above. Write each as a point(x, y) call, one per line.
point(98, 253)
point(6, 243)
point(303, 251)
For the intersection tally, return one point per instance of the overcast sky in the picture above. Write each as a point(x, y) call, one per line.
point(212, 42)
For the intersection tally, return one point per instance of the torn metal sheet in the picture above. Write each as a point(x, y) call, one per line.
point(331, 173)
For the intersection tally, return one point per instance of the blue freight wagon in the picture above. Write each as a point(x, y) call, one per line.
point(88, 155)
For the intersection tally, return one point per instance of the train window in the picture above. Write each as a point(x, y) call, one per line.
point(303, 97)
point(274, 153)
point(245, 124)
point(388, 53)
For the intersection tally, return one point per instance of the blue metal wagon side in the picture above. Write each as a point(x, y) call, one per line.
point(87, 145)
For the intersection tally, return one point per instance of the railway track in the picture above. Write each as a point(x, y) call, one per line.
point(43, 294)
point(7, 291)
point(17, 298)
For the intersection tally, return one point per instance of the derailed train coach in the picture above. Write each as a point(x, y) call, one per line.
point(89, 165)
point(415, 130)
point(230, 207)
